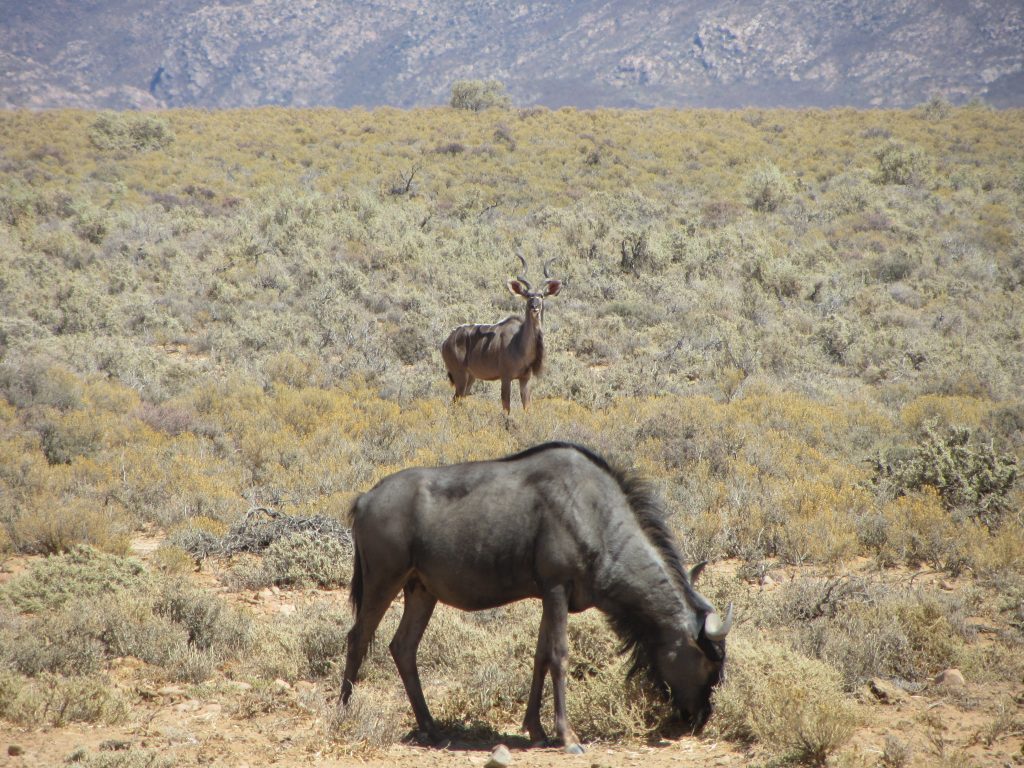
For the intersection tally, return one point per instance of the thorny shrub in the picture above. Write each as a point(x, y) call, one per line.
point(972, 479)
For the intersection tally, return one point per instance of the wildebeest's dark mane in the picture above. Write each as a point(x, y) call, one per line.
point(637, 632)
point(645, 503)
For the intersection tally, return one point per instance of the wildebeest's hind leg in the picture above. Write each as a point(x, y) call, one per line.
point(419, 606)
point(376, 599)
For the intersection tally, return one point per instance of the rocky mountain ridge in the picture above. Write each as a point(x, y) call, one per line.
point(587, 53)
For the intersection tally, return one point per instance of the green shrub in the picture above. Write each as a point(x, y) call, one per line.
point(864, 629)
point(36, 381)
point(903, 165)
point(126, 758)
point(478, 95)
point(323, 642)
point(117, 130)
point(973, 479)
point(603, 702)
point(188, 664)
point(767, 188)
point(53, 644)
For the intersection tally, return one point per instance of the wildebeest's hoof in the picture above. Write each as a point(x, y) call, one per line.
point(575, 749)
point(423, 738)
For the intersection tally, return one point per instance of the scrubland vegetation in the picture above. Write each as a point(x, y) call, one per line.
point(806, 327)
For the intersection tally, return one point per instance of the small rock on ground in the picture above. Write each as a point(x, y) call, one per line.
point(885, 692)
point(500, 757)
point(953, 678)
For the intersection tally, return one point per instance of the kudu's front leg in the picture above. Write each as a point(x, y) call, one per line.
point(506, 395)
point(524, 392)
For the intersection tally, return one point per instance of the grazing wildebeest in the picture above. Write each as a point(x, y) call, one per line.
point(554, 522)
point(511, 349)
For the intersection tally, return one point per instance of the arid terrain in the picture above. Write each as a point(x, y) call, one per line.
point(801, 327)
point(213, 724)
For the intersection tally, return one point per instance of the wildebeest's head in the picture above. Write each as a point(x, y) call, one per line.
point(690, 667)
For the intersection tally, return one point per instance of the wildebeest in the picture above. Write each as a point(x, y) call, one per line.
point(510, 349)
point(554, 522)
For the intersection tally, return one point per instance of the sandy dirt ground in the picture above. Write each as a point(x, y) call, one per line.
point(969, 725)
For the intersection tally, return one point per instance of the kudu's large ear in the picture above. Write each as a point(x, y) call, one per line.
point(517, 288)
point(552, 287)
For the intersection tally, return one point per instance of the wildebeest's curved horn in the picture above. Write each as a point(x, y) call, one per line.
point(715, 628)
point(522, 277)
point(697, 570)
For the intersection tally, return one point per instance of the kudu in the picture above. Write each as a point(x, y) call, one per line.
point(554, 522)
point(511, 349)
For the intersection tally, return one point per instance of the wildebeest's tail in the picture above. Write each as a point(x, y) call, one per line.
point(356, 588)
point(450, 377)
point(356, 585)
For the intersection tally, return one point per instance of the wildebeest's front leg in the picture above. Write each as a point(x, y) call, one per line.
point(552, 654)
point(419, 606)
point(532, 722)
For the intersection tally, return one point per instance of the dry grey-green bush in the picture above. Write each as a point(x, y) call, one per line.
point(261, 528)
point(209, 622)
point(83, 572)
point(56, 700)
point(791, 704)
point(130, 757)
point(113, 130)
point(903, 165)
point(322, 639)
point(304, 559)
point(371, 721)
point(768, 188)
point(865, 628)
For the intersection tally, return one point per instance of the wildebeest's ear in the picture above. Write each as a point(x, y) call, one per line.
point(553, 287)
point(517, 288)
point(697, 570)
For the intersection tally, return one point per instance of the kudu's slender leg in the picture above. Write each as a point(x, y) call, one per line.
point(524, 392)
point(506, 395)
point(552, 655)
point(419, 606)
point(377, 598)
point(462, 382)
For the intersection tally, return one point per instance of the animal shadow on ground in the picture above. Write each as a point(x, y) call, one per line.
point(471, 737)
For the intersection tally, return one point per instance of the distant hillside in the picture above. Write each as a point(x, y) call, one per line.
point(623, 53)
